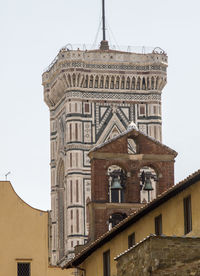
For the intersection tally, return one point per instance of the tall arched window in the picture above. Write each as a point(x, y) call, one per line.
point(112, 83)
point(86, 82)
point(107, 83)
point(117, 83)
point(96, 82)
point(91, 81)
point(128, 83)
point(143, 84)
point(152, 83)
point(133, 83)
point(138, 83)
point(101, 82)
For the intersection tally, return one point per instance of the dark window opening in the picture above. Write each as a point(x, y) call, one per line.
point(117, 84)
point(116, 218)
point(112, 84)
point(142, 110)
point(87, 107)
point(23, 269)
point(106, 263)
point(187, 215)
point(115, 195)
point(158, 225)
point(131, 240)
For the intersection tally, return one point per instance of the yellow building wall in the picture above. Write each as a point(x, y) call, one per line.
point(172, 224)
point(23, 236)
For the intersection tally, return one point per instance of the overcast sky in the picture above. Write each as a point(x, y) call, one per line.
point(33, 31)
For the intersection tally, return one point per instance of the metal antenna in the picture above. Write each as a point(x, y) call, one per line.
point(6, 175)
point(103, 18)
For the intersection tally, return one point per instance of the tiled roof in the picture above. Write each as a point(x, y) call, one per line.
point(128, 131)
point(88, 250)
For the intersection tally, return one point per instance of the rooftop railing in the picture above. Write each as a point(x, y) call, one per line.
point(89, 47)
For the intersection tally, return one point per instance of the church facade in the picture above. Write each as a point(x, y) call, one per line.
point(93, 95)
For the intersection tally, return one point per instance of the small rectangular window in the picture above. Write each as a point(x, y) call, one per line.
point(187, 214)
point(158, 225)
point(131, 240)
point(23, 269)
point(106, 263)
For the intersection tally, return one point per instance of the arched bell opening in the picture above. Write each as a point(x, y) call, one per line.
point(148, 180)
point(116, 218)
point(117, 184)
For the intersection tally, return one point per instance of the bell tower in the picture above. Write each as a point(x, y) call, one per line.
point(92, 96)
point(121, 181)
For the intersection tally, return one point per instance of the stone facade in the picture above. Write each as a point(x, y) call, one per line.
point(164, 256)
point(148, 154)
point(92, 96)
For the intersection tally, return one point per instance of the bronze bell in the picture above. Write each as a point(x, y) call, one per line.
point(148, 184)
point(116, 184)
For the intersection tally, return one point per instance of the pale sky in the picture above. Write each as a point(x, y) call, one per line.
point(33, 31)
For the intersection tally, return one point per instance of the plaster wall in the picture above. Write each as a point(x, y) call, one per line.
point(23, 236)
point(172, 224)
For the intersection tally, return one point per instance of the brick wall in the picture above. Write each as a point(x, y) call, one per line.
point(164, 256)
point(149, 153)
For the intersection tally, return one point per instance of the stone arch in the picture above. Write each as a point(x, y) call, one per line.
point(60, 207)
